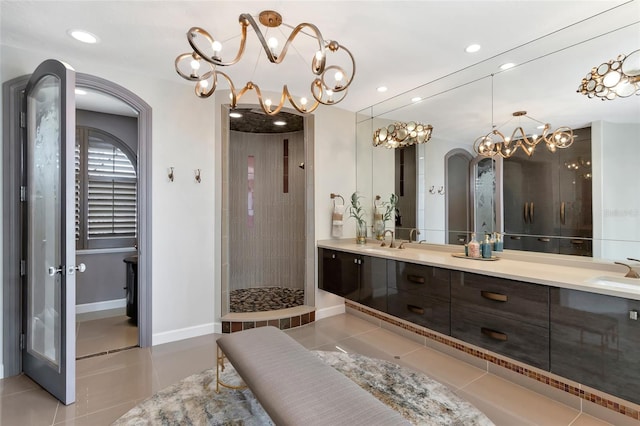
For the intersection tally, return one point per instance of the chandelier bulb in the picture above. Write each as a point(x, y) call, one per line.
point(272, 42)
point(303, 101)
point(267, 102)
point(216, 46)
point(195, 65)
point(204, 83)
point(319, 55)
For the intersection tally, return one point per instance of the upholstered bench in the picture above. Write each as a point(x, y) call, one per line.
point(295, 387)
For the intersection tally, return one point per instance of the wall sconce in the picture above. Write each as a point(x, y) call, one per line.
point(170, 175)
point(619, 77)
point(197, 175)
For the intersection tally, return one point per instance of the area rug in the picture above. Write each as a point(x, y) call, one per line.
point(193, 401)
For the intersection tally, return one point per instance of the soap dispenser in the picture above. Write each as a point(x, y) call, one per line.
point(499, 243)
point(486, 248)
point(474, 246)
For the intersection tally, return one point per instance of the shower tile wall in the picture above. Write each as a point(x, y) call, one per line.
point(271, 252)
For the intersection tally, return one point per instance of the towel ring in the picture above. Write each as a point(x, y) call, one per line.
point(334, 196)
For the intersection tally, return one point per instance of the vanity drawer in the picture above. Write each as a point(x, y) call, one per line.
point(498, 296)
point(425, 311)
point(421, 280)
point(515, 339)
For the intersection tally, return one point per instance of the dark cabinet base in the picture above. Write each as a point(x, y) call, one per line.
point(594, 341)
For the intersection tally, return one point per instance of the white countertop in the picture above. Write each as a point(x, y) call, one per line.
point(572, 272)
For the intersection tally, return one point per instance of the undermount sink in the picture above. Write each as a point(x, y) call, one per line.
point(621, 283)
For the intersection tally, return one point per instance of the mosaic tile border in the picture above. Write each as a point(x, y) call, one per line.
point(600, 399)
point(281, 323)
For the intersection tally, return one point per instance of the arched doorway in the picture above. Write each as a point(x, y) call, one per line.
point(12, 94)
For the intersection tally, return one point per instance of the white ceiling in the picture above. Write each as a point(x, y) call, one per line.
point(399, 44)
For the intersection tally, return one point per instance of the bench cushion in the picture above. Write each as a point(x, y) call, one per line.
point(297, 388)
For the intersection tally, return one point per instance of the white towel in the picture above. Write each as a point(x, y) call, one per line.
point(337, 220)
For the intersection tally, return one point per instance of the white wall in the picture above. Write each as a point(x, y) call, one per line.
point(616, 199)
point(434, 204)
point(185, 264)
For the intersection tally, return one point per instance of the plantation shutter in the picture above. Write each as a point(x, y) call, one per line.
point(111, 190)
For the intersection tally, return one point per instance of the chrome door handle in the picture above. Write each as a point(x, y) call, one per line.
point(80, 268)
point(53, 270)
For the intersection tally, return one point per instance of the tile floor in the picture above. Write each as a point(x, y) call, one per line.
point(100, 332)
point(109, 385)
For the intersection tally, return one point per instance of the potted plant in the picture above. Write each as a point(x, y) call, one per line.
point(357, 212)
point(383, 212)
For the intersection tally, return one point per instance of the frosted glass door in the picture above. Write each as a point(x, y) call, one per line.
point(49, 323)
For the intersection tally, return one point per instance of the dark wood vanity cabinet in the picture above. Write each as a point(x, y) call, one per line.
point(420, 294)
point(362, 279)
point(548, 199)
point(505, 316)
point(595, 340)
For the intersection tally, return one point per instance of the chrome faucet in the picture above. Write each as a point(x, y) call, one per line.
point(384, 236)
point(411, 234)
point(631, 273)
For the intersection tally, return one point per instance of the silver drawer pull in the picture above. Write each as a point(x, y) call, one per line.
point(493, 334)
point(415, 279)
point(544, 239)
point(497, 297)
point(416, 309)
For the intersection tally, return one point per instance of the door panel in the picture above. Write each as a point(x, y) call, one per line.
point(49, 314)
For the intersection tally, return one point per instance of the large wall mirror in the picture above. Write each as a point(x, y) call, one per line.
point(582, 200)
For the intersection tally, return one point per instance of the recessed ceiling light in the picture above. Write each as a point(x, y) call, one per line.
point(80, 92)
point(507, 66)
point(416, 99)
point(235, 115)
point(280, 123)
point(83, 36)
point(382, 89)
point(472, 48)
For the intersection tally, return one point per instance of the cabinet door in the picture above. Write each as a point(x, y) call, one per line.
point(595, 341)
point(575, 186)
point(505, 298)
point(373, 282)
point(339, 273)
point(516, 339)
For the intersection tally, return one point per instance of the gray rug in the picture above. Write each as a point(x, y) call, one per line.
point(193, 401)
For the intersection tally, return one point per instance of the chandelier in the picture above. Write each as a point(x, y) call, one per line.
point(495, 142)
point(399, 135)
point(202, 64)
point(619, 77)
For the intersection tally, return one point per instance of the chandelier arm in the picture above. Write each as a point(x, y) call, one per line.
point(203, 91)
point(192, 76)
point(292, 36)
point(301, 109)
point(349, 80)
point(267, 109)
point(195, 31)
point(232, 88)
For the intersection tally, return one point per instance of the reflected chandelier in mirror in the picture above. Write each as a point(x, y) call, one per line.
point(399, 135)
point(619, 78)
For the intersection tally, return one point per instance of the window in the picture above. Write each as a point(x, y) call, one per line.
point(106, 191)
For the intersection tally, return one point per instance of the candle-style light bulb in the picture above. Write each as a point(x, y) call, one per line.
point(217, 48)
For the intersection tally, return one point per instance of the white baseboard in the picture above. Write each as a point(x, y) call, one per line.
point(1, 371)
point(101, 306)
point(330, 311)
point(184, 333)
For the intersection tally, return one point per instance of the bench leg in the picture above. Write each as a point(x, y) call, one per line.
point(219, 368)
